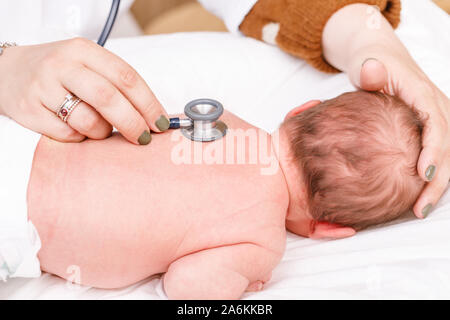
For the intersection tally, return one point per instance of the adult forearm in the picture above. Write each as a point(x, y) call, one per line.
point(359, 32)
point(297, 26)
point(358, 40)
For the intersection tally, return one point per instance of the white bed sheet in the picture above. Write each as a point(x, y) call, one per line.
point(410, 259)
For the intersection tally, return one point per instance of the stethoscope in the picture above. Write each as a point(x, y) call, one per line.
point(203, 122)
point(203, 114)
point(109, 23)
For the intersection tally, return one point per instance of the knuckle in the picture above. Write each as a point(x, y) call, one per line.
point(131, 126)
point(70, 135)
point(89, 124)
point(78, 43)
point(436, 127)
point(147, 110)
point(51, 60)
point(74, 47)
point(151, 109)
point(441, 124)
point(128, 77)
point(104, 95)
point(436, 193)
point(107, 130)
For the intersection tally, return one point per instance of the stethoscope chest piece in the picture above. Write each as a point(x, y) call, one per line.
point(203, 124)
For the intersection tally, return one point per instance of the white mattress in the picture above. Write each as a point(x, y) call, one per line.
point(407, 259)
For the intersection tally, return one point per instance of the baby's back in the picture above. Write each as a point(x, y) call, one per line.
point(121, 212)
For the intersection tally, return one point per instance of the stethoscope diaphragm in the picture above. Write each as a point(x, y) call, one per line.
point(202, 123)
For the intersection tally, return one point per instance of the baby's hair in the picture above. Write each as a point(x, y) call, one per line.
point(358, 155)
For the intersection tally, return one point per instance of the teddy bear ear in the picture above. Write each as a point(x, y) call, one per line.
point(326, 230)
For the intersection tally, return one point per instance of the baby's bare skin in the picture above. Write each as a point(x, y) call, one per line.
point(122, 213)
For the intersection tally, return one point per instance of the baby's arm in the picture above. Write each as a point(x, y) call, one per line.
point(219, 273)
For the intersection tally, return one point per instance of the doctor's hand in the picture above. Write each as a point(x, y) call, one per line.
point(402, 77)
point(375, 59)
point(36, 79)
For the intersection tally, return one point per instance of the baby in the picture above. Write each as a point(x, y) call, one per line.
point(120, 213)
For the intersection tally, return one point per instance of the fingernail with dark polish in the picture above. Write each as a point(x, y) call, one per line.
point(162, 123)
point(430, 172)
point(145, 138)
point(426, 210)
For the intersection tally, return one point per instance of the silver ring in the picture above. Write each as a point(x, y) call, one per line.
point(69, 104)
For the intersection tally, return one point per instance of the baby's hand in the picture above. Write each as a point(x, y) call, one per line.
point(255, 286)
point(259, 285)
point(218, 273)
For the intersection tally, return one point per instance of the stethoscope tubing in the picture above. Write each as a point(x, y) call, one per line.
point(109, 23)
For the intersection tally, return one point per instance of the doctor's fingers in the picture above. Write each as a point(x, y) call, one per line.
point(83, 118)
point(130, 84)
point(434, 167)
point(433, 192)
point(109, 102)
point(435, 107)
point(434, 160)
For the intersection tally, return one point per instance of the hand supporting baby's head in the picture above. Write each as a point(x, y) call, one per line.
point(357, 154)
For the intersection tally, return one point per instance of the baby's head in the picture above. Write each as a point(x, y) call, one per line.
point(357, 155)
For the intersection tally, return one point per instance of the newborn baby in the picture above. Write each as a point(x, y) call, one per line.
point(121, 213)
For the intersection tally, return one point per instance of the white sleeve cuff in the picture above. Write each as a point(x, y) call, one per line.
point(232, 12)
point(19, 240)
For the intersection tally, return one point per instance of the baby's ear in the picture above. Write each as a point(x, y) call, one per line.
point(302, 108)
point(322, 230)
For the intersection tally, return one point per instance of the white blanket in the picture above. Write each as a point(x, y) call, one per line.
point(406, 259)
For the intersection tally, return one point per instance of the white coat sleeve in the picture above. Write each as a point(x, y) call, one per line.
point(232, 12)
